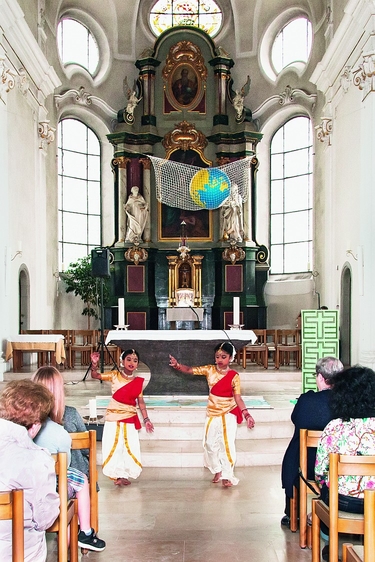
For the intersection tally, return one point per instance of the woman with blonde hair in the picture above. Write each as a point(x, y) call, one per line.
point(55, 438)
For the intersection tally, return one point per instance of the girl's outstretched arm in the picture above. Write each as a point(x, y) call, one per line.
point(179, 367)
point(94, 365)
point(245, 412)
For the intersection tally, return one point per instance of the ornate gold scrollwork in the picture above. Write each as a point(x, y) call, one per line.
point(136, 254)
point(234, 253)
point(184, 137)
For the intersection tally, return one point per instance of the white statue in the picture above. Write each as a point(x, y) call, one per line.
point(237, 98)
point(136, 210)
point(232, 218)
point(132, 103)
point(132, 100)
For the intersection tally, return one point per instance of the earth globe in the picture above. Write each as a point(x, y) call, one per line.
point(209, 188)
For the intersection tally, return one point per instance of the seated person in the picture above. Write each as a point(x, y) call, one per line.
point(55, 438)
point(312, 411)
point(24, 406)
point(350, 432)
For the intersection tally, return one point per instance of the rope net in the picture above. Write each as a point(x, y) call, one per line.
point(193, 188)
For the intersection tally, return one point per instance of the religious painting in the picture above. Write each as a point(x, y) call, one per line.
point(185, 76)
point(198, 223)
point(184, 84)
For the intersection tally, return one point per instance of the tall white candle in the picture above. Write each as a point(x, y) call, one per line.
point(92, 408)
point(236, 311)
point(121, 312)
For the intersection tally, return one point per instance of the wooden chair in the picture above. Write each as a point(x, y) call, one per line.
point(271, 337)
point(288, 343)
point(257, 352)
point(68, 518)
point(83, 342)
point(364, 553)
point(114, 350)
point(87, 440)
point(11, 508)
point(338, 521)
point(293, 526)
point(308, 438)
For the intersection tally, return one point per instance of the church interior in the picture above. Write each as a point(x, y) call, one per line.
point(189, 166)
point(86, 127)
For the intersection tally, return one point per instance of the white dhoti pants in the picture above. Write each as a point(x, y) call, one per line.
point(121, 450)
point(219, 446)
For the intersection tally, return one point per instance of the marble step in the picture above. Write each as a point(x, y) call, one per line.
point(250, 452)
point(194, 431)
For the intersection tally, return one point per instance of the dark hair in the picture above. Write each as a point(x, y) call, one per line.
point(353, 393)
point(129, 352)
point(227, 347)
point(25, 402)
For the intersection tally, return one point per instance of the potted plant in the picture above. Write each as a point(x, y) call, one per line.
point(80, 281)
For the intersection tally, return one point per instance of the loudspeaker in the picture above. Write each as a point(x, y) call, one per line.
point(100, 262)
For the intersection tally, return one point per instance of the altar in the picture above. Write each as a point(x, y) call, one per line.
point(190, 347)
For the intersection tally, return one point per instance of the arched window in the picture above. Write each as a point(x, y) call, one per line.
point(77, 45)
point(205, 14)
point(79, 192)
point(292, 197)
point(292, 45)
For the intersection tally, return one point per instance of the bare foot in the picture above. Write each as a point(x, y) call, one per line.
point(216, 478)
point(125, 482)
point(117, 482)
point(227, 483)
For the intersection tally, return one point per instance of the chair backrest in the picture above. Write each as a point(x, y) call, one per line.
point(84, 337)
point(271, 338)
point(366, 553)
point(347, 465)
point(11, 507)
point(369, 538)
point(288, 337)
point(68, 513)
point(65, 333)
point(308, 438)
point(261, 337)
point(87, 440)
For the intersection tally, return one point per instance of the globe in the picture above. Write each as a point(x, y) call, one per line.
point(209, 188)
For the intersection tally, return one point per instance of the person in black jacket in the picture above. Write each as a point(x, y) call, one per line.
point(312, 411)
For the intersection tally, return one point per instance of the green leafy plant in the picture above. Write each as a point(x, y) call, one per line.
point(80, 281)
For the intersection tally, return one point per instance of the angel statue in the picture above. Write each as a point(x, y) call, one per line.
point(237, 98)
point(133, 100)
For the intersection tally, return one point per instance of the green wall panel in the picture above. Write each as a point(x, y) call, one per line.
point(320, 338)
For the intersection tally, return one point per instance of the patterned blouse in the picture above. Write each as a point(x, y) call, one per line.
point(353, 437)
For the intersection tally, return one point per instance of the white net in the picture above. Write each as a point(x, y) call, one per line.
point(192, 188)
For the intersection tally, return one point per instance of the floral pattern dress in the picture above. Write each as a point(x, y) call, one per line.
point(353, 437)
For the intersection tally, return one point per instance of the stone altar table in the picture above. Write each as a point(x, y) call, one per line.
point(190, 347)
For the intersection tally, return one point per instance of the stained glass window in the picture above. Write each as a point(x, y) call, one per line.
point(204, 14)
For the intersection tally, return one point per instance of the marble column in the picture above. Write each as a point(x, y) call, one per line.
point(146, 162)
point(121, 163)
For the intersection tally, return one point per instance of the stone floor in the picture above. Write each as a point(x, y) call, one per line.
point(177, 514)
